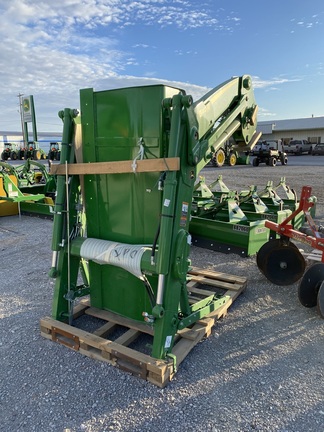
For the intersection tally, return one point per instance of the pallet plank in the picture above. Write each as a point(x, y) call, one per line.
point(105, 329)
point(128, 337)
point(217, 275)
point(185, 345)
point(315, 255)
point(118, 319)
point(117, 167)
point(217, 284)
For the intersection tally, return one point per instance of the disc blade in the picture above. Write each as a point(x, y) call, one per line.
point(283, 264)
point(320, 300)
point(263, 252)
point(266, 249)
point(309, 285)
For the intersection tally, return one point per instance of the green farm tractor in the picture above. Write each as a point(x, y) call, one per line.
point(54, 151)
point(9, 152)
point(125, 186)
point(31, 151)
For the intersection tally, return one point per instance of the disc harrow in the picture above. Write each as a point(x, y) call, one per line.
point(282, 263)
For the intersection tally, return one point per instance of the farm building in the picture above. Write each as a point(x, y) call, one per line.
point(310, 129)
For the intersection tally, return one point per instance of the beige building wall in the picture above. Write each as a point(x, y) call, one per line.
point(311, 129)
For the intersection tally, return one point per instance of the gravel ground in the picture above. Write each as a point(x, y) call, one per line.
point(261, 369)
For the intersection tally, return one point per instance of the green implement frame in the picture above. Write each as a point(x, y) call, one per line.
point(30, 186)
point(125, 184)
point(11, 187)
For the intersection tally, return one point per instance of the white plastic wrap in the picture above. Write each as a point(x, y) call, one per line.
point(121, 255)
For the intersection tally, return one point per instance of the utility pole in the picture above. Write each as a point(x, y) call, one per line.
point(20, 95)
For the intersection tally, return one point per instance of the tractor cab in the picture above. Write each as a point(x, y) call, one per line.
point(54, 151)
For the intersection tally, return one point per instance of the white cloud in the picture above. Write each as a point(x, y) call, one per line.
point(195, 91)
point(107, 12)
point(263, 113)
point(51, 49)
point(272, 82)
point(308, 23)
point(141, 46)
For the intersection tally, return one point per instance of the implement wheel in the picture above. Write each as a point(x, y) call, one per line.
point(309, 287)
point(281, 262)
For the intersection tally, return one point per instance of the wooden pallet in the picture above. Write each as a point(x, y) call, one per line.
point(118, 352)
point(314, 256)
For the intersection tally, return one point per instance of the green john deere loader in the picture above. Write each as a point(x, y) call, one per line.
point(128, 166)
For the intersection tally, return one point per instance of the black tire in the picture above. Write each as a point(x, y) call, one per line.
point(3, 156)
point(219, 157)
point(284, 161)
point(255, 162)
point(57, 156)
point(272, 161)
point(13, 155)
point(37, 155)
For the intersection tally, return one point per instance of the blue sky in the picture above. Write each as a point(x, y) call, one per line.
point(51, 49)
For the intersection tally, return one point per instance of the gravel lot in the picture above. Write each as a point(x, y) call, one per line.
point(261, 369)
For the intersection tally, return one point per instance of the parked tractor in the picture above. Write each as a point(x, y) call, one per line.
point(9, 152)
point(269, 152)
point(230, 154)
point(224, 155)
point(54, 151)
point(32, 151)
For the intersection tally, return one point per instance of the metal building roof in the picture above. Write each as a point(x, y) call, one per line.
point(292, 124)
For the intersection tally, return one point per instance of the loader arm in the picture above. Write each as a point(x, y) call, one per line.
point(227, 110)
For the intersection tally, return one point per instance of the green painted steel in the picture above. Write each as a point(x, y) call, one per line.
point(105, 218)
point(241, 233)
point(67, 220)
point(126, 207)
point(216, 208)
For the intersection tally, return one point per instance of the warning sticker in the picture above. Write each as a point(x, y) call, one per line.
point(185, 207)
point(166, 202)
point(168, 341)
point(184, 214)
